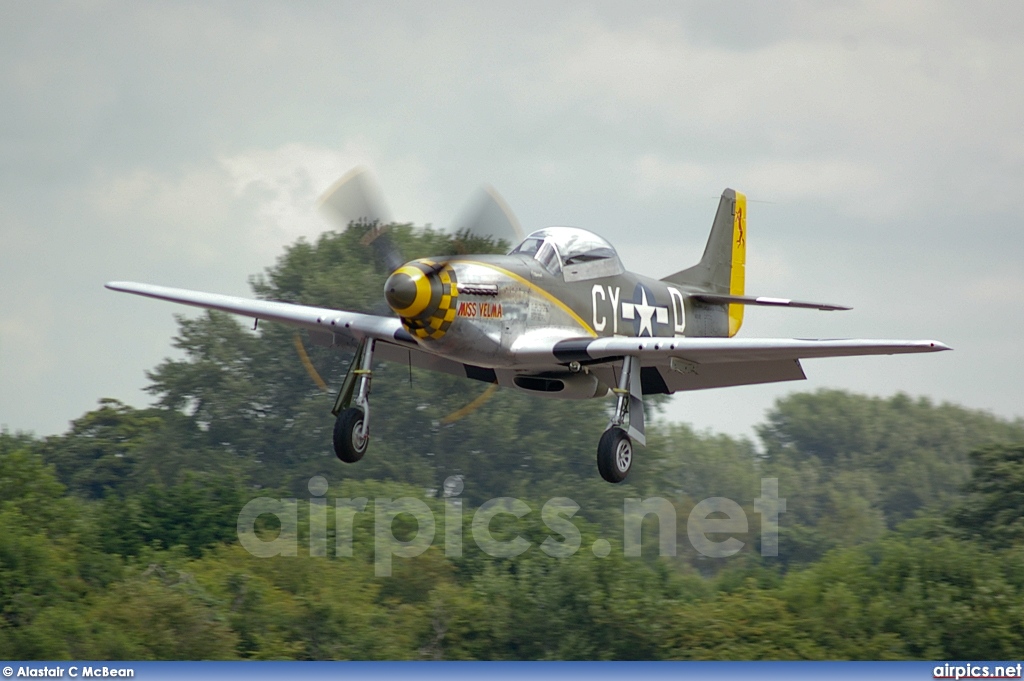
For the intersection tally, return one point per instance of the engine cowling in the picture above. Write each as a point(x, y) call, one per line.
point(424, 296)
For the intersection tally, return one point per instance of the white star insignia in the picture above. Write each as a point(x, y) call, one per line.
point(648, 313)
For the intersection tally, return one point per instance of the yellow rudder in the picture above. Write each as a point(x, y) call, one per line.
point(737, 276)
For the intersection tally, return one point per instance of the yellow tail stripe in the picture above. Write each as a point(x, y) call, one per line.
point(737, 277)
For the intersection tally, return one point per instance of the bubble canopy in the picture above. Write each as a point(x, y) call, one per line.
point(573, 245)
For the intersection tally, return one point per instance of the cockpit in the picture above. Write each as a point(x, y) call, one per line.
point(574, 253)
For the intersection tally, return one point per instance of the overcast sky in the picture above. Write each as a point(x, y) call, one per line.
point(880, 144)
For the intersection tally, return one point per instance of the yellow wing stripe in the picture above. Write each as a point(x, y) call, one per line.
point(737, 276)
point(537, 289)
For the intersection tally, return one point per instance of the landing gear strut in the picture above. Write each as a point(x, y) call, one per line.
point(352, 428)
point(615, 450)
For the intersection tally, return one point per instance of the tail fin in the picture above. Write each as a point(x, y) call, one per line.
point(723, 266)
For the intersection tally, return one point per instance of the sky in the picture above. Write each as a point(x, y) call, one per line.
point(879, 144)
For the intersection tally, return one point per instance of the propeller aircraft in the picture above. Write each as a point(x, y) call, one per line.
point(558, 316)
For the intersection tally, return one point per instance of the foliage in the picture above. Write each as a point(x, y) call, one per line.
point(863, 465)
point(993, 509)
point(118, 539)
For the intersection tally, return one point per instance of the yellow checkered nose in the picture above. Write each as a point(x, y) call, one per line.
point(423, 295)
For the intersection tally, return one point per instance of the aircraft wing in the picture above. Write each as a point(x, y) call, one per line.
point(672, 364)
point(714, 350)
point(317, 319)
point(399, 346)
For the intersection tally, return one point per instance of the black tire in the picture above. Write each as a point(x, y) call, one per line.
point(614, 455)
point(350, 442)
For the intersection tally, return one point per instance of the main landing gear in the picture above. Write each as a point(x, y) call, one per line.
point(615, 450)
point(352, 428)
point(351, 435)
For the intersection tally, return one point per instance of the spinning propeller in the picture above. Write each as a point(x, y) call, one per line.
point(356, 199)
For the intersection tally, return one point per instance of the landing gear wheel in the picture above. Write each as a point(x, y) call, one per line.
point(350, 436)
point(614, 455)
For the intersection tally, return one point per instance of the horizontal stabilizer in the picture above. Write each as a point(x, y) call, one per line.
point(720, 298)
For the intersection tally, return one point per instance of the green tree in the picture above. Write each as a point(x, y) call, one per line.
point(911, 598)
point(155, 617)
point(748, 624)
point(862, 464)
point(99, 452)
point(43, 563)
point(993, 509)
point(120, 449)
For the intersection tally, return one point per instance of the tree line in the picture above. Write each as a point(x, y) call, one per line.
point(902, 535)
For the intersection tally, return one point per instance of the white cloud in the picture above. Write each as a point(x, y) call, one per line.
point(868, 104)
point(255, 201)
point(282, 186)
